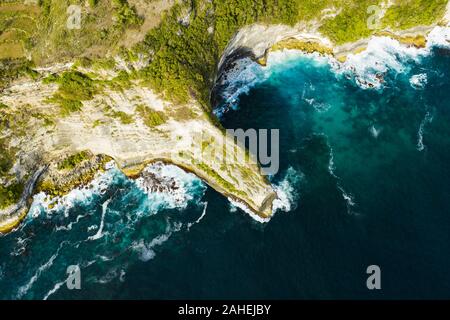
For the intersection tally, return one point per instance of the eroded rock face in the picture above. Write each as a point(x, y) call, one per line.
point(133, 127)
point(154, 183)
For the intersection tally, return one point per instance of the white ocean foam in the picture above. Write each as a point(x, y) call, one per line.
point(348, 197)
point(185, 187)
point(383, 54)
point(374, 131)
point(56, 287)
point(116, 272)
point(71, 224)
point(233, 208)
point(287, 191)
point(367, 68)
point(439, 37)
point(59, 284)
point(286, 200)
point(190, 224)
point(180, 188)
point(92, 227)
point(145, 250)
point(108, 277)
point(318, 106)
point(246, 74)
point(418, 81)
point(331, 161)
point(44, 267)
point(426, 120)
point(247, 210)
point(44, 204)
point(122, 275)
point(99, 233)
point(20, 246)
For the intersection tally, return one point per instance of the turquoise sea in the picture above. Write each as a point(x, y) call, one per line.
point(364, 168)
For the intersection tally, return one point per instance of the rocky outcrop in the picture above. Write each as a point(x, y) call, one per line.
point(184, 135)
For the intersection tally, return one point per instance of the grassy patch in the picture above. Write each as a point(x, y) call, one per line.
point(74, 87)
point(188, 43)
point(97, 123)
point(120, 82)
point(72, 161)
point(17, 28)
point(126, 15)
point(6, 159)
point(124, 118)
point(98, 33)
point(351, 24)
point(406, 14)
point(11, 50)
point(10, 195)
point(150, 117)
point(47, 119)
point(11, 69)
point(227, 186)
point(305, 46)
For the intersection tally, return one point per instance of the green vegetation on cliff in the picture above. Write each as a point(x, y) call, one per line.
point(353, 21)
point(72, 161)
point(124, 117)
point(10, 195)
point(351, 24)
point(125, 14)
point(150, 117)
point(74, 87)
point(11, 69)
point(187, 44)
point(404, 14)
point(11, 191)
point(190, 40)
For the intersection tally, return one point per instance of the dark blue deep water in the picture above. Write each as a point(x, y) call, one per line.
point(367, 169)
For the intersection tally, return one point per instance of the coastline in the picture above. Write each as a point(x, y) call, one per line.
point(16, 214)
point(259, 40)
point(264, 212)
point(131, 145)
point(256, 42)
point(13, 216)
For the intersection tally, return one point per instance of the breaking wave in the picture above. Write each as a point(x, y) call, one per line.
point(102, 224)
point(418, 81)
point(368, 69)
point(385, 55)
point(287, 191)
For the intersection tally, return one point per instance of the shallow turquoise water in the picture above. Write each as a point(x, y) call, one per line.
point(366, 170)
